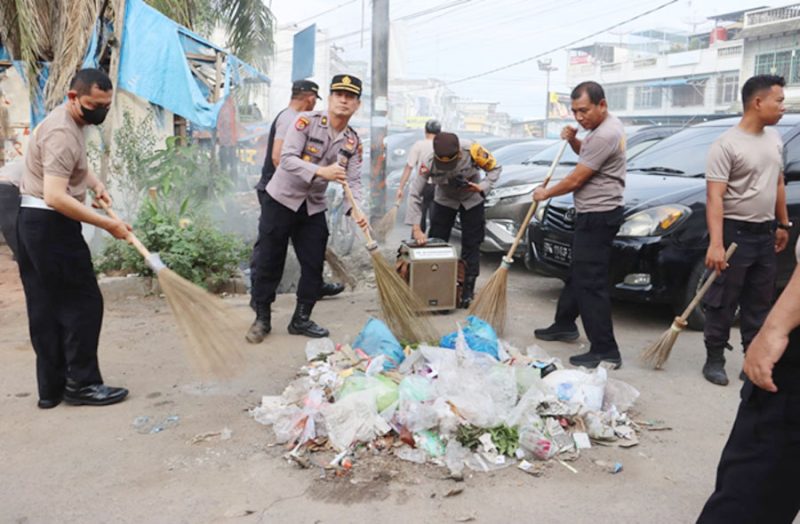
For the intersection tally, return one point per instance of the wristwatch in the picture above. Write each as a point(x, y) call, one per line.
point(787, 226)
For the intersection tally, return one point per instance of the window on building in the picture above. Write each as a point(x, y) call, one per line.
point(647, 97)
point(689, 94)
point(617, 98)
point(727, 89)
point(782, 63)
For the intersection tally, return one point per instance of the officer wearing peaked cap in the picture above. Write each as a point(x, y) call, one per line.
point(320, 147)
point(455, 168)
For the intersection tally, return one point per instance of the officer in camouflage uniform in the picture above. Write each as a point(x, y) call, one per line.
point(455, 168)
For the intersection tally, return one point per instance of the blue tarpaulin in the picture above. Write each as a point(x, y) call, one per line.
point(154, 66)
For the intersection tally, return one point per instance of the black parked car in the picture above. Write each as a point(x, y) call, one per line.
point(658, 254)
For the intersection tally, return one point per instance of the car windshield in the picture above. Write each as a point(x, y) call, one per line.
point(546, 156)
point(682, 154)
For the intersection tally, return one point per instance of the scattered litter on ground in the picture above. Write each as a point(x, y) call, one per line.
point(610, 467)
point(447, 405)
point(225, 434)
point(148, 425)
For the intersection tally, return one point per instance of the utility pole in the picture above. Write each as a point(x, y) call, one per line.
point(546, 65)
point(379, 106)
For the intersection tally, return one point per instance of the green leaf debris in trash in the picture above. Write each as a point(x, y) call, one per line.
point(505, 438)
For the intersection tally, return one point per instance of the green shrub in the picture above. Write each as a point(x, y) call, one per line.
point(188, 243)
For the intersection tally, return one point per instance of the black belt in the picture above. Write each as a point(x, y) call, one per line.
point(753, 227)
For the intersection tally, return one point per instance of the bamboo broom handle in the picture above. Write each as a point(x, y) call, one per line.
point(535, 205)
point(357, 209)
point(131, 238)
point(707, 284)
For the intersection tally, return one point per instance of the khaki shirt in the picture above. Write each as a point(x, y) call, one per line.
point(473, 159)
point(57, 148)
point(751, 166)
point(307, 146)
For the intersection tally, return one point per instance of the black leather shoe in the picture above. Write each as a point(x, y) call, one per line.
point(93, 395)
point(555, 332)
point(302, 324)
point(330, 289)
point(48, 403)
point(592, 360)
point(261, 326)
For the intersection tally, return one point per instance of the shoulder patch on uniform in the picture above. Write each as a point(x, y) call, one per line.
point(324, 121)
point(482, 157)
point(301, 123)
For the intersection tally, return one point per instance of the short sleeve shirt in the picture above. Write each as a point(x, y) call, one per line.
point(419, 151)
point(57, 148)
point(751, 165)
point(603, 151)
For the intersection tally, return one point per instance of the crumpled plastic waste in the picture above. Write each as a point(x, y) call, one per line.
point(479, 334)
point(381, 388)
point(376, 339)
point(353, 418)
point(579, 387)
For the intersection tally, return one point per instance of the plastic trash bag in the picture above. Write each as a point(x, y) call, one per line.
point(353, 419)
point(376, 339)
point(382, 389)
point(319, 347)
point(537, 443)
point(479, 335)
point(414, 412)
point(578, 387)
point(619, 394)
point(454, 457)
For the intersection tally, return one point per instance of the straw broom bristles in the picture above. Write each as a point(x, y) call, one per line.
point(386, 224)
point(491, 302)
point(657, 353)
point(209, 326)
point(400, 306)
point(338, 268)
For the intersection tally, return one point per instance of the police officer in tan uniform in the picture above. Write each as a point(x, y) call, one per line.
point(455, 168)
point(319, 148)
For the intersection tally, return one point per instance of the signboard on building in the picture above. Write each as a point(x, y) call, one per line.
point(303, 51)
point(560, 106)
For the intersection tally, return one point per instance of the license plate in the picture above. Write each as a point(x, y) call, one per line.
point(557, 252)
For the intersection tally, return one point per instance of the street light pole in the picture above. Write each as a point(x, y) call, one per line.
point(546, 65)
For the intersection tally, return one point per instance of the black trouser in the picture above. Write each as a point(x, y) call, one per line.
point(309, 234)
point(586, 291)
point(65, 307)
point(757, 474)
point(473, 229)
point(749, 283)
point(9, 207)
point(427, 199)
point(261, 199)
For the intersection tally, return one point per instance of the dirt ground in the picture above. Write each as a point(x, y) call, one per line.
point(89, 464)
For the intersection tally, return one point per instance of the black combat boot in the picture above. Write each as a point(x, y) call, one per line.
point(262, 325)
point(302, 324)
point(467, 292)
point(714, 368)
point(330, 289)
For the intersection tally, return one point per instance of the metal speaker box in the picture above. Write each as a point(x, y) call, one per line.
point(432, 273)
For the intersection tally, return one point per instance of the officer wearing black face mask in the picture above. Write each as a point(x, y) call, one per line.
point(65, 307)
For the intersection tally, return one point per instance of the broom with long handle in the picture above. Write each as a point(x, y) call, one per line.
point(386, 224)
point(399, 304)
point(657, 353)
point(490, 304)
point(208, 324)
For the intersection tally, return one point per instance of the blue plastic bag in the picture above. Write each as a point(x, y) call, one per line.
point(479, 335)
point(376, 339)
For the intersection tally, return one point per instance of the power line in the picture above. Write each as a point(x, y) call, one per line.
point(292, 24)
point(559, 48)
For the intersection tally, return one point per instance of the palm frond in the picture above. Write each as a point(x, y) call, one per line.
point(71, 33)
point(250, 27)
point(178, 10)
point(9, 27)
point(33, 19)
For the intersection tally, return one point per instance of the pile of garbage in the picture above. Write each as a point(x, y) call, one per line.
point(474, 401)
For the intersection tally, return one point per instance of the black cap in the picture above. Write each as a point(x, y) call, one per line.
point(305, 86)
point(348, 83)
point(445, 151)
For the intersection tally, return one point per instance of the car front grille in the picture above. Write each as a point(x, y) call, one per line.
point(561, 218)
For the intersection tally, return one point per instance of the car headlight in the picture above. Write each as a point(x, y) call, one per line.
point(654, 221)
point(511, 191)
point(540, 211)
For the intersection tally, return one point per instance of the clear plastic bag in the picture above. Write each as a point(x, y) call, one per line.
point(354, 419)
